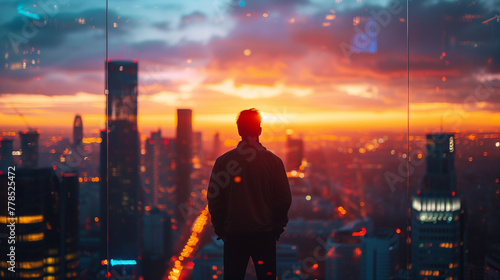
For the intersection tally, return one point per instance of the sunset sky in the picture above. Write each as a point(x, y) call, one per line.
point(295, 60)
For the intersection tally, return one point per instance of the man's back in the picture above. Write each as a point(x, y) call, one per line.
point(250, 191)
point(248, 199)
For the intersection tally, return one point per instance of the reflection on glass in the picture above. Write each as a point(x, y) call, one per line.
point(384, 112)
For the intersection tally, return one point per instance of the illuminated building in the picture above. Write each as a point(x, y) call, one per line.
point(119, 160)
point(29, 148)
point(184, 155)
point(67, 216)
point(157, 240)
point(6, 159)
point(343, 259)
point(437, 222)
point(294, 153)
point(157, 231)
point(77, 131)
point(159, 175)
point(216, 147)
point(47, 232)
point(197, 150)
point(380, 255)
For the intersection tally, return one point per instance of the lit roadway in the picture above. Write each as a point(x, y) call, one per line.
point(188, 251)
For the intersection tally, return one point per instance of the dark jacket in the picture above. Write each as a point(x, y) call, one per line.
point(248, 192)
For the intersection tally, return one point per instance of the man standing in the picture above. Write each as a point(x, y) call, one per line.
point(248, 199)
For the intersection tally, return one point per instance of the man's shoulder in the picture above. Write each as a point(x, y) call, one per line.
point(241, 151)
point(272, 155)
point(227, 156)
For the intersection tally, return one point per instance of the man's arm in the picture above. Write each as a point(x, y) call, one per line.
point(216, 201)
point(282, 199)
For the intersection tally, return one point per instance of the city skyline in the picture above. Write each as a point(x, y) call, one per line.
point(386, 119)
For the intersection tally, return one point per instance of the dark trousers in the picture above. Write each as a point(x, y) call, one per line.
point(261, 247)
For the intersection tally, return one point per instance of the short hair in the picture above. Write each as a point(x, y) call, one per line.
point(249, 122)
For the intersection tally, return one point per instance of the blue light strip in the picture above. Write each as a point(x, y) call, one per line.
point(27, 14)
point(123, 262)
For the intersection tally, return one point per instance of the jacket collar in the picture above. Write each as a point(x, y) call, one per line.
point(251, 143)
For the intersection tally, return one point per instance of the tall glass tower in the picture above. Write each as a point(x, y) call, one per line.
point(29, 148)
point(437, 220)
point(184, 155)
point(46, 219)
point(121, 197)
point(77, 131)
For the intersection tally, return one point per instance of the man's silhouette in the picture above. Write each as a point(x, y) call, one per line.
point(248, 199)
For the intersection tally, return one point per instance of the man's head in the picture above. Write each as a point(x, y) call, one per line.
point(249, 123)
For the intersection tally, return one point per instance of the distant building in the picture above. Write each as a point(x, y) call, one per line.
point(437, 222)
point(157, 234)
point(216, 150)
point(305, 204)
point(198, 158)
point(29, 148)
point(210, 261)
point(343, 260)
point(157, 240)
point(66, 239)
point(47, 231)
point(121, 195)
point(77, 131)
point(379, 255)
point(159, 173)
point(6, 149)
point(294, 153)
point(287, 261)
point(184, 156)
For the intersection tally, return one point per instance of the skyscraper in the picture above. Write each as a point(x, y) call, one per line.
point(159, 173)
point(29, 148)
point(77, 131)
point(120, 197)
point(184, 155)
point(437, 221)
point(216, 146)
point(380, 255)
point(46, 217)
point(198, 158)
point(6, 148)
point(157, 230)
point(294, 153)
point(344, 256)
